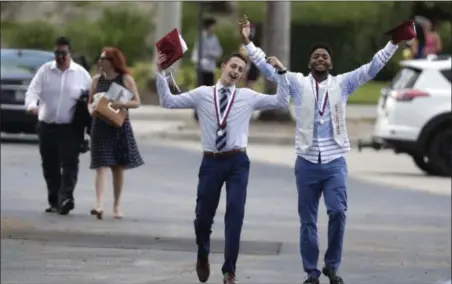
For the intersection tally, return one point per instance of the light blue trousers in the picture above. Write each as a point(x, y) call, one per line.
point(313, 180)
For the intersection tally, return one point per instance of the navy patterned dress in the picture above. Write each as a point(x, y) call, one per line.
point(113, 146)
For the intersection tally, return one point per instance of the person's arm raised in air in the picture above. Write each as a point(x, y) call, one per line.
point(282, 97)
point(352, 80)
point(167, 99)
point(257, 56)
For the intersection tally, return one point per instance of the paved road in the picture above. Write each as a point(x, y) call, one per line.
point(394, 236)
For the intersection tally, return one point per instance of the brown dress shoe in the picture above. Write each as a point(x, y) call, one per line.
point(229, 279)
point(203, 269)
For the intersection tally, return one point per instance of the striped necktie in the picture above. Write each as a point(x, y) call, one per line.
point(221, 139)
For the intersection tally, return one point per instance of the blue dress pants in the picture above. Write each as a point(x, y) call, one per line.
point(213, 173)
point(313, 180)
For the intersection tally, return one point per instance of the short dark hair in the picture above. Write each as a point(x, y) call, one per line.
point(322, 45)
point(62, 40)
point(230, 56)
point(207, 23)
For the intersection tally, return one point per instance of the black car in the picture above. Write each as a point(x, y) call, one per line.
point(17, 70)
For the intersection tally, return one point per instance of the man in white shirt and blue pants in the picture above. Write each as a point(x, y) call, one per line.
point(224, 113)
point(321, 142)
point(57, 86)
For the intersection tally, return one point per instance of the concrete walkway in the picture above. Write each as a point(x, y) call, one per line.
point(178, 124)
point(407, 240)
point(146, 112)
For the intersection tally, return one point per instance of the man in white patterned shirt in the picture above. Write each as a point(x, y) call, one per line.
point(321, 142)
point(224, 113)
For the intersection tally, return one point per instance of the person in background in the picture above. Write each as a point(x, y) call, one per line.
point(416, 49)
point(427, 41)
point(211, 53)
point(111, 147)
point(57, 86)
point(433, 43)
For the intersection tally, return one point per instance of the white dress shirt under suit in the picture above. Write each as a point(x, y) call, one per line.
point(57, 92)
point(246, 102)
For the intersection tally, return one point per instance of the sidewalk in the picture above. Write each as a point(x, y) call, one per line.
point(178, 124)
point(145, 112)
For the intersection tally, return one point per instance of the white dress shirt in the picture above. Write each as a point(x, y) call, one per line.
point(323, 142)
point(245, 103)
point(57, 91)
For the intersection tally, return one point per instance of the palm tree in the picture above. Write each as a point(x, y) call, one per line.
point(277, 43)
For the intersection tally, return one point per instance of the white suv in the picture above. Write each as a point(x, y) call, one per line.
point(414, 114)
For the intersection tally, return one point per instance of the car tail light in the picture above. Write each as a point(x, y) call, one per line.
point(408, 95)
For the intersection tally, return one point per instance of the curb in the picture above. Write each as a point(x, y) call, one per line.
point(252, 139)
point(188, 117)
point(160, 116)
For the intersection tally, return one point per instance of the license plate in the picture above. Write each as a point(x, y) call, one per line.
point(19, 95)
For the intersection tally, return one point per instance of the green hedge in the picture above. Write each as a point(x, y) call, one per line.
point(121, 27)
point(353, 29)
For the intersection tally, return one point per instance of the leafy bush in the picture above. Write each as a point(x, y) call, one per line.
point(121, 27)
point(32, 35)
point(445, 32)
point(141, 72)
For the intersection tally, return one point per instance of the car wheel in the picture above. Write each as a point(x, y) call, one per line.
point(440, 152)
point(423, 164)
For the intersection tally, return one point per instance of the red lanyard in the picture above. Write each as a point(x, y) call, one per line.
point(322, 107)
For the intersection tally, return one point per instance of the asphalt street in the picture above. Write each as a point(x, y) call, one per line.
point(393, 236)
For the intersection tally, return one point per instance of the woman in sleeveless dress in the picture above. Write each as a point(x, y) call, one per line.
point(112, 147)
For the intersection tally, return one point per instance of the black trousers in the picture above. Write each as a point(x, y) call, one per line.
point(207, 79)
point(60, 160)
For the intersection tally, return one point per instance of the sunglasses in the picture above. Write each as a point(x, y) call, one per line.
point(60, 53)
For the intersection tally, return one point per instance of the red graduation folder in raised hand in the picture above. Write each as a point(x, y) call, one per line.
point(173, 46)
point(403, 32)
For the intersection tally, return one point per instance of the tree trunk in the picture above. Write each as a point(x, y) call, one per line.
point(277, 43)
point(169, 14)
point(168, 17)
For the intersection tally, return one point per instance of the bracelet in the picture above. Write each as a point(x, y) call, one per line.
point(280, 72)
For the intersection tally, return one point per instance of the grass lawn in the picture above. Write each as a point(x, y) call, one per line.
point(367, 94)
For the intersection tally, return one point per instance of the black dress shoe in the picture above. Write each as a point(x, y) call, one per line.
point(203, 269)
point(312, 280)
point(51, 209)
point(98, 213)
point(66, 206)
point(332, 275)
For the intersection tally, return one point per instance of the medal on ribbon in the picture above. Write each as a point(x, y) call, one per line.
point(221, 119)
point(322, 105)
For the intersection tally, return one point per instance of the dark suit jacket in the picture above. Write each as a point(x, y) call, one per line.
point(82, 121)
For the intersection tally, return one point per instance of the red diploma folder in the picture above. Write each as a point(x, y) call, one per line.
point(403, 32)
point(173, 46)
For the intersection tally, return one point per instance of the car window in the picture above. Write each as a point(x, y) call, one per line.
point(8, 67)
point(405, 78)
point(446, 73)
point(31, 62)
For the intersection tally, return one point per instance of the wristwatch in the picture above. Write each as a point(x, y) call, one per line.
point(280, 72)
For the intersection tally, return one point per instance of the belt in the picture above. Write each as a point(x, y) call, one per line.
point(224, 154)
